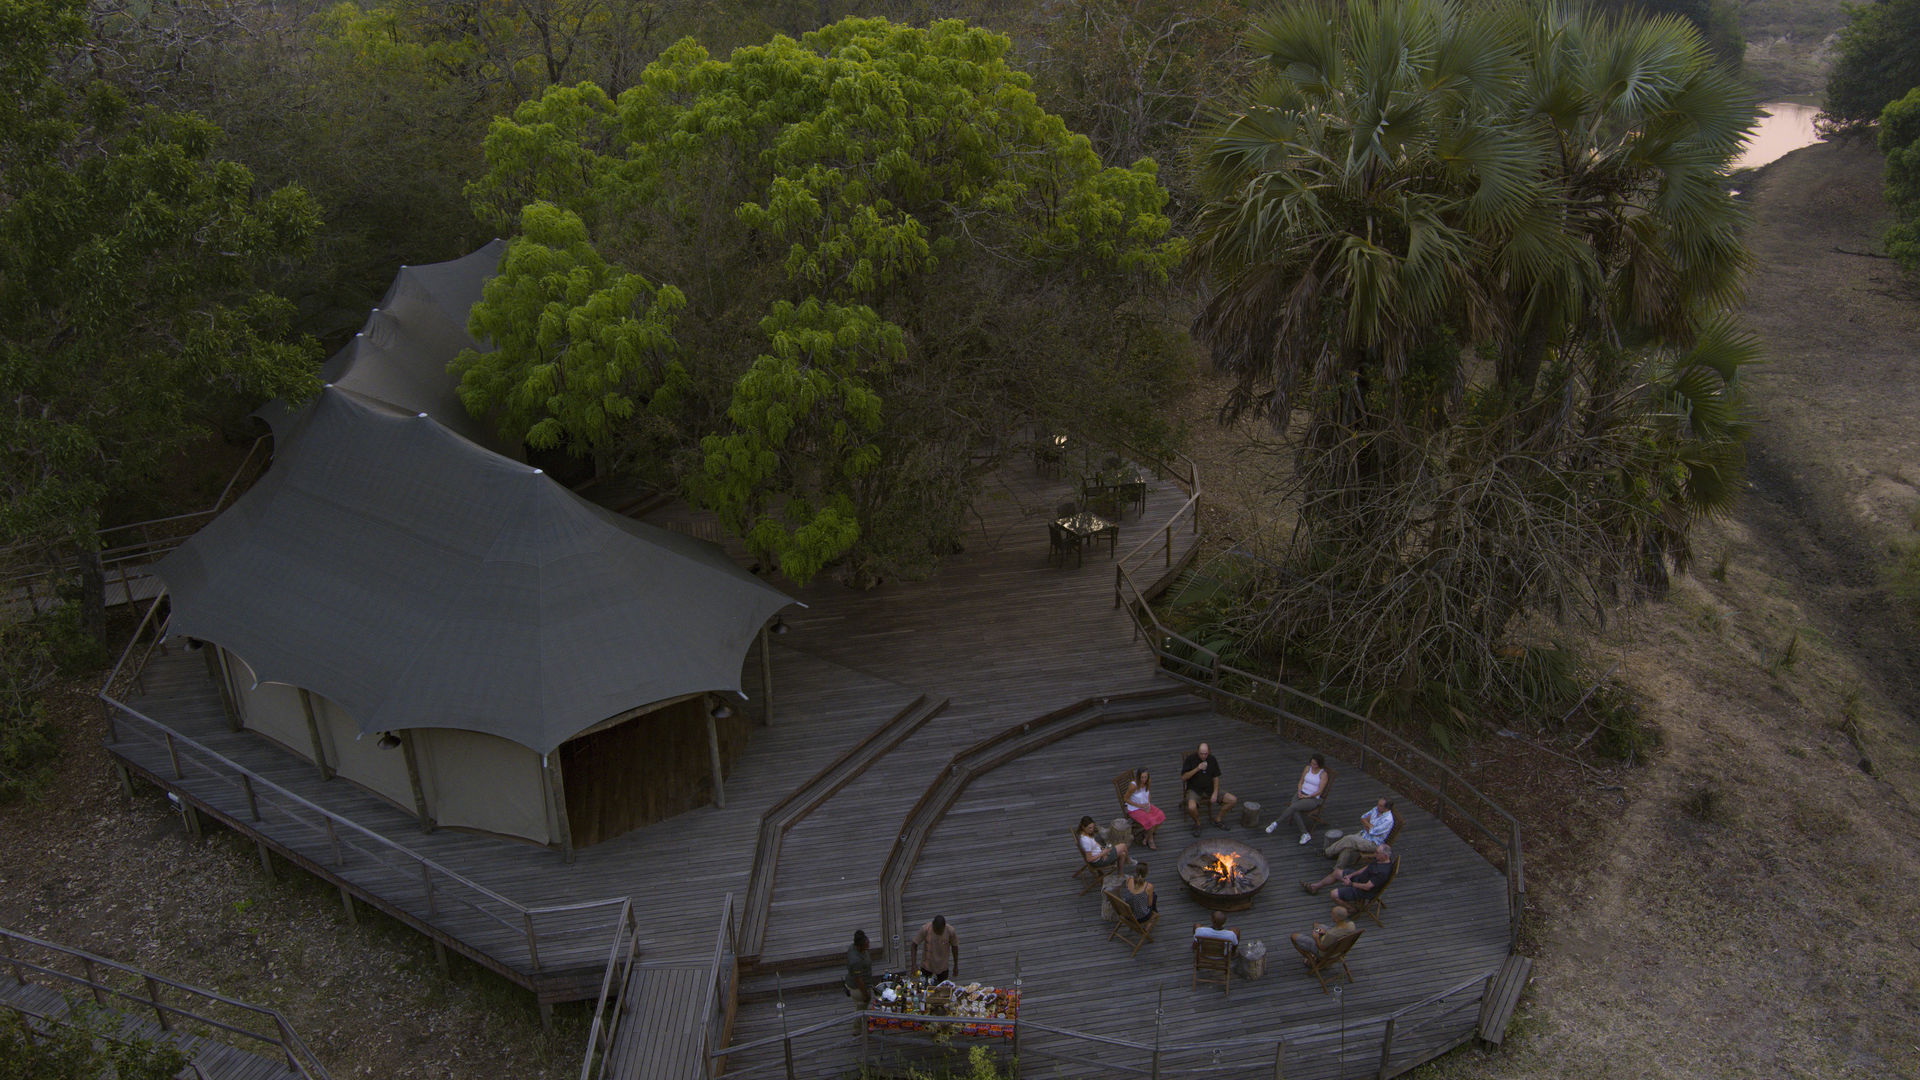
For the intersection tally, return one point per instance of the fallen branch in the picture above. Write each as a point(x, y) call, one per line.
point(1862, 254)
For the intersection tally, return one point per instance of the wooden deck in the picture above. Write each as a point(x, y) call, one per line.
point(1002, 637)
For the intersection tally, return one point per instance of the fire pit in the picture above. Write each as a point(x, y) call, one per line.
point(1223, 874)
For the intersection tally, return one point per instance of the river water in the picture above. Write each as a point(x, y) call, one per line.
point(1785, 127)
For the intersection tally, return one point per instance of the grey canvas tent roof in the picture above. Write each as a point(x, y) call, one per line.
point(401, 355)
point(421, 581)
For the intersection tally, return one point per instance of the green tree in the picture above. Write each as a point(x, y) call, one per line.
point(1877, 62)
point(88, 1047)
point(131, 320)
point(1900, 142)
point(1477, 254)
point(891, 257)
point(579, 347)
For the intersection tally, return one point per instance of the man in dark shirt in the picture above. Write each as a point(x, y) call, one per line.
point(1352, 885)
point(1200, 771)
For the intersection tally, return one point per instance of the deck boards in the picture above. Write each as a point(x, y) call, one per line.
point(1004, 637)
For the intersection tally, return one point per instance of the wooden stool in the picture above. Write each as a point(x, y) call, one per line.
point(1250, 814)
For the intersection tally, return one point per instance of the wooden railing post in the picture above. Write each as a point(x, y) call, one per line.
point(1386, 1049)
point(286, 1044)
point(6, 949)
point(533, 941)
point(153, 998)
point(253, 801)
point(93, 982)
point(426, 882)
point(333, 840)
point(173, 755)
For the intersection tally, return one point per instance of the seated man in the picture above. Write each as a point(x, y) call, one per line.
point(1218, 931)
point(1347, 850)
point(1351, 885)
point(1200, 772)
point(1317, 942)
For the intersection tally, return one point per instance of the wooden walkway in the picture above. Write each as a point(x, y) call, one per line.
point(1002, 637)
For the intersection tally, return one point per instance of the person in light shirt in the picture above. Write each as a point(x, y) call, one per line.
point(1217, 931)
point(1348, 850)
point(1308, 794)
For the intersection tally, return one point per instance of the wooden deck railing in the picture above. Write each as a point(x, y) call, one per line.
point(1381, 1046)
point(626, 940)
point(330, 840)
point(126, 548)
point(1406, 768)
point(132, 990)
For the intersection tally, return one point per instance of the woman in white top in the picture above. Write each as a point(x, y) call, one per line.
point(1099, 856)
point(1140, 805)
point(1308, 795)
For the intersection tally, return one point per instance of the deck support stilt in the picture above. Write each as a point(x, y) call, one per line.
point(266, 858)
point(126, 779)
point(713, 752)
point(346, 900)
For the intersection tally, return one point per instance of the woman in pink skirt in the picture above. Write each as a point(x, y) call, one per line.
point(1140, 804)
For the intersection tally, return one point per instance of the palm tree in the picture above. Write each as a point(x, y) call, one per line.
point(1482, 254)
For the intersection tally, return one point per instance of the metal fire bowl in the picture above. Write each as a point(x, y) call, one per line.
point(1253, 869)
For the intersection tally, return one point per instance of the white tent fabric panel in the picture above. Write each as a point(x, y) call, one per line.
point(479, 781)
point(360, 758)
point(272, 709)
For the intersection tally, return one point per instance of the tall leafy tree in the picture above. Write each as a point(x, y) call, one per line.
point(891, 256)
point(1877, 62)
point(131, 318)
point(1478, 255)
point(1900, 142)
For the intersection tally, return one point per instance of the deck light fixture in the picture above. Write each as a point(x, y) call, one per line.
point(720, 711)
point(389, 741)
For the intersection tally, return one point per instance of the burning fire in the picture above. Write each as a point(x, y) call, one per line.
point(1223, 864)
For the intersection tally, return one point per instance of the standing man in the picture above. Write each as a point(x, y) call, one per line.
point(1200, 772)
point(1379, 826)
point(935, 950)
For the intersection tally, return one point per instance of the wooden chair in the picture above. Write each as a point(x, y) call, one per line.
point(1211, 957)
point(1316, 817)
point(1087, 870)
point(1321, 964)
point(1120, 783)
point(1370, 903)
point(1127, 924)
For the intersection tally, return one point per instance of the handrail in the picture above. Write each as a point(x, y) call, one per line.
point(525, 923)
point(1202, 667)
point(626, 931)
point(298, 1056)
point(722, 977)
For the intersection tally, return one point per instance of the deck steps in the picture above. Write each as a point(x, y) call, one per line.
point(781, 817)
point(1498, 1008)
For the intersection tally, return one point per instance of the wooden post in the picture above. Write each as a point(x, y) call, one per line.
point(557, 799)
point(1159, 1016)
point(713, 753)
point(173, 755)
point(228, 686)
point(413, 781)
point(786, 1040)
point(426, 883)
point(546, 1017)
point(6, 950)
point(191, 817)
point(346, 900)
point(266, 858)
point(1279, 1060)
point(333, 840)
point(153, 998)
point(440, 958)
point(126, 779)
point(253, 800)
point(218, 675)
point(533, 940)
point(1169, 551)
point(93, 982)
point(1386, 1048)
point(313, 735)
point(766, 679)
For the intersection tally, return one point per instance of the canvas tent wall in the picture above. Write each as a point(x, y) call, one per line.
point(410, 581)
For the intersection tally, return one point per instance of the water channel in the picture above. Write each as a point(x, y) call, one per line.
point(1784, 126)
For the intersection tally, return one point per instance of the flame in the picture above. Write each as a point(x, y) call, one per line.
point(1223, 863)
